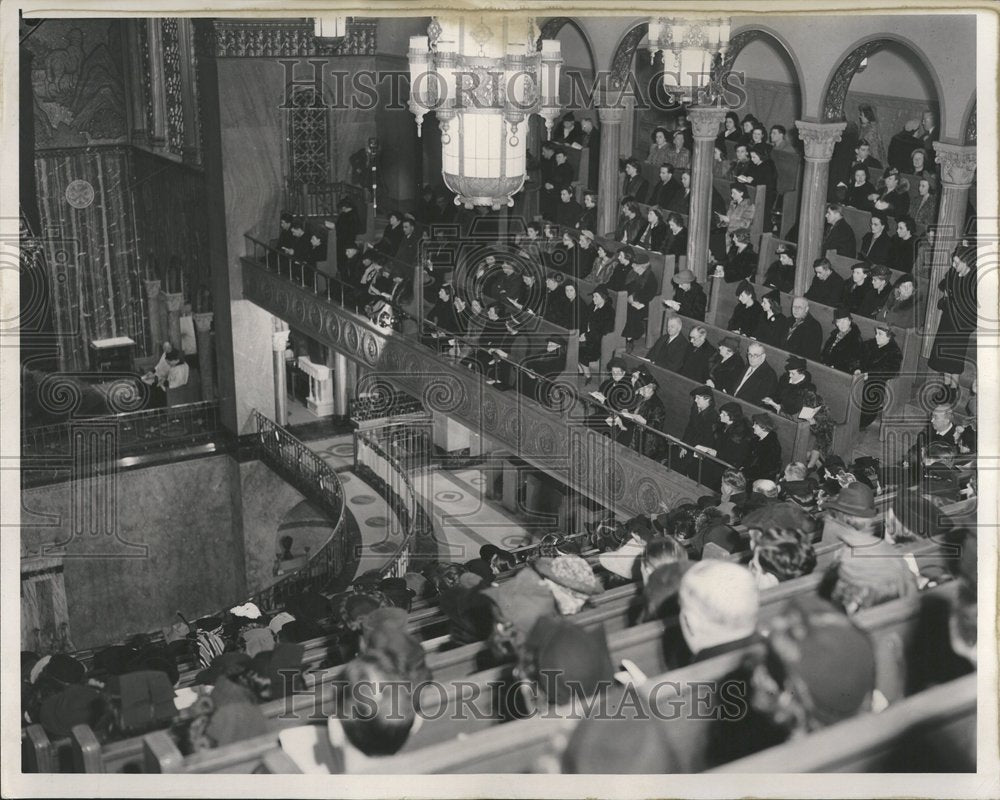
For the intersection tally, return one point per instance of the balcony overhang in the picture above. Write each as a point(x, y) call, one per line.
point(554, 442)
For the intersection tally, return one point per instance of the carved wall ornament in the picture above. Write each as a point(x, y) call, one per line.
point(958, 163)
point(621, 63)
point(705, 122)
point(265, 39)
point(836, 94)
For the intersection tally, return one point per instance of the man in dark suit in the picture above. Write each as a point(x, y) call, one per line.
point(669, 350)
point(839, 235)
point(759, 380)
point(569, 211)
point(698, 359)
point(664, 191)
point(803, 335)
point(409, 245)
point(827, 288)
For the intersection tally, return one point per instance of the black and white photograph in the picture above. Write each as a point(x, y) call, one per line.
point(477, 402)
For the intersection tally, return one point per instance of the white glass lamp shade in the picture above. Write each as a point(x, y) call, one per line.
point(483, 160)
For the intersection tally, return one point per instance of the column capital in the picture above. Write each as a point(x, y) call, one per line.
point(152, 289)
point(203, 321)
point(610, 114)
point(819, 138)
point(175, 300)
point(705, 121)
point(958, 163)
point(279, 340)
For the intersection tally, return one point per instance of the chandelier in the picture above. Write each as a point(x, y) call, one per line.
point(483, 79)
point(689, 47)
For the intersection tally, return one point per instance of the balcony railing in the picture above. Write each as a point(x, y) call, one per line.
point(137, 431)
point(387, 453)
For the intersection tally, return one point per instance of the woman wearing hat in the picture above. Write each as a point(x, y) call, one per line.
point(857, 289)
point(881, 291)
point(842, 349)
point(644, 419)
point(730, 367)
point(780, 274)
point(765, 453)
point(700, 429)
point(772, 327)
point(622, 272)
point(881, 359)
point(738, 216)
point(689, 298)
point(875, 244)
point(604, 264)
point(677, 236)
point(554, 299)
point(615, 393)
point(900, 309)
point(762, 170)
point(892, 196)
point(793, 387)
point(748, 314)
point(733, 437)
point(641, 291)
point(600, 322)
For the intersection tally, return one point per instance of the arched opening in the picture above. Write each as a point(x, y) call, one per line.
point(769, 75)
point(893, 80)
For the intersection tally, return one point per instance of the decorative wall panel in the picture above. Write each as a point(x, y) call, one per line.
point(172, 84)
point(256, 39)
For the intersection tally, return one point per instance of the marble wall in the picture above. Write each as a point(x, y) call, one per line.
point(192, 537)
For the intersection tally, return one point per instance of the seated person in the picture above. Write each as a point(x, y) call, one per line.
point(827, 288)
point(892, 195)
point(170, 372)
point(875, 243)
point(780, 274)
point(857, 291)
point(719, 604)
point(689, 298)
point(670, 349)
point(792, 388)
point(759, 380)
point(748, 314)
point(780, 554)
point(842, 349)
point(838, 235)
point(740, 262)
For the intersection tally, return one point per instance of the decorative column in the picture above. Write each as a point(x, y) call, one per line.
point(157, 325)
point(607, 176)
point(191, 151)
point(958, 168)
point(206, 356)
point(158, 135)
point(175, 303)
point(279, 340)
point(818, 139)
point(341, 380)
point(705, 124)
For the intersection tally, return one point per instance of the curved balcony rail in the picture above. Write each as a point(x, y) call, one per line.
point(384, 454)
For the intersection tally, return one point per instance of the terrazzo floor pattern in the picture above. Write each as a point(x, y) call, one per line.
point(463, 519)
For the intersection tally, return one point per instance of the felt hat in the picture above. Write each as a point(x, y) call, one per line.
point(796, 362)
point(572, 572)
point(522, 600)
point(621, 562)
point(731, 342)
point(833, 660)
point(841, 312)
point(617, 362)
point(855, 499)
point(64, 669)
point(684, 276)
point(881, 271)
point(782, 514)
point(641, 257)
point(397, 592)
point(300, 630)
point(569, 660)
point(646, 379)
point(588, 234)
point(702, 391)
point(622, 745)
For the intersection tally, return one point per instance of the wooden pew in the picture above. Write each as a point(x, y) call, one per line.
point(789, 168)
point(843, 265)
point(909, 341)
point(675, 392)
point(932, 731)
point(837, 388)
point(516, 746)
point(861, 220)
point(37, 754)
point(768, 254)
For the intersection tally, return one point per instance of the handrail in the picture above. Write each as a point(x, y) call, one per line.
point(407, 506)
point(137, 430)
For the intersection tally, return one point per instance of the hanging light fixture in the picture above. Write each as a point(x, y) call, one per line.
point(483, 78)
point(690, 48)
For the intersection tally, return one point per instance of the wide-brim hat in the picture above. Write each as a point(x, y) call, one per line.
point(796, 362)
point(571, 572)
point(856, 500)
point(702, 391)
point(684, 276)
point(522, 600)
point(641, 257)
point(621, 562)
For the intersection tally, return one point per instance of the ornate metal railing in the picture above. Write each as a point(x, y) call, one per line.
point(317, 481)
point(321, 199)
point(383, 456)
point(136, 431)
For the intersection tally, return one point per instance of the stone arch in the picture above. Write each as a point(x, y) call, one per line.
point(969, 128)
point(744, 36)
point(834, 94)
point(621, 62)
point(552, 26)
